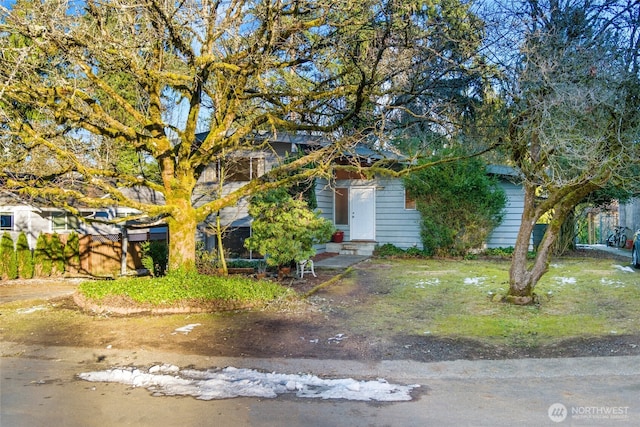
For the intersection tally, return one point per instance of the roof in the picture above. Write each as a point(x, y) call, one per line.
point(143, 194)
point(504, 171)
point(366, 152)
point(320, 140)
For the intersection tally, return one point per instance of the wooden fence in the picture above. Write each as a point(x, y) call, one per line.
point(101, 255)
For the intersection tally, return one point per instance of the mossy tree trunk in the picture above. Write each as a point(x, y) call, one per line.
point(183, 220)
point(566, 240)
point(182, 242)
point(524, 276)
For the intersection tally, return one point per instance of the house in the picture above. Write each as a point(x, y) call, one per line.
point(239, 169)
point(369, 211)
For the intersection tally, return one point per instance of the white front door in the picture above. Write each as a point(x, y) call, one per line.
point(362, 223)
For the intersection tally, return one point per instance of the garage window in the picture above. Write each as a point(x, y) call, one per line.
point(6, 220)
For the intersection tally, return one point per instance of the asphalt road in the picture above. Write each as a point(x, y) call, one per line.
point(39, 387)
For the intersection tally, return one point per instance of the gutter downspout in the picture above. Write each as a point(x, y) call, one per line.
point(125, 247)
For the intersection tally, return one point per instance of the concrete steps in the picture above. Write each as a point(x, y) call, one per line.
point(360, 248)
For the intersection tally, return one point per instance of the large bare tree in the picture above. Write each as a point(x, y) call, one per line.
point(575, 113)
point(82, 82)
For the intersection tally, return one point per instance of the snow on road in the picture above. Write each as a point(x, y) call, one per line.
point(186, 329)
point(170, 380)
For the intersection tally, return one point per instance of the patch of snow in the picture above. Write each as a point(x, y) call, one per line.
point(186, 329)
point(566, 280)
point(614, 283)
point(169, 380)
point(475, 281)
point(430, 282)
point(336, 338)
point(31, 309)
point(625, 268)
point(164, 369)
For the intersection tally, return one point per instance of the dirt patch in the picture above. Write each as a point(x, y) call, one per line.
point(314, 328)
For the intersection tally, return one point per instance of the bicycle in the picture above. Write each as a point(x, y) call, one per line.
point(618, 238)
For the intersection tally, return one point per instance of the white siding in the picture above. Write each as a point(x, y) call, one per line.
point(324, 197)
point(24, 220)
point(506, 233)
point(394, 223)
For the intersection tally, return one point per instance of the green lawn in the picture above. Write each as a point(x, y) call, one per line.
point(578, 297)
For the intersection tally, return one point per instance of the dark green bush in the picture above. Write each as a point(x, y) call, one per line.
point(388, 250)
point(42, 257)
point(242, 263)
point(24, 257)
point(499, 252)
point(505, 252)
point(56, 251)
point(72, 252)
point(415, 252)
point(8, 261)
point(459, 206)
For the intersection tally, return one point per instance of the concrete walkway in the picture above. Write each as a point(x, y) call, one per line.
point(32, 289)
point(339, 261)
point(609, 249)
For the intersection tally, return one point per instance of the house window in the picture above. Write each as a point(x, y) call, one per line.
point(6, 220)
point(244, 169)
point(61, 221)
point(210, 173)
point(409, 202)
point(101, 215)
point(341, 204)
